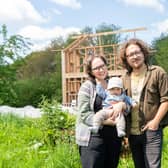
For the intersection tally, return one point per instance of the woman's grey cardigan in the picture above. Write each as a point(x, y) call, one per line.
point(86, 99)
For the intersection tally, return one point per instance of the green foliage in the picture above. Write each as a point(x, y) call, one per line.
point(19, 146)
point(39, 75)
point(102, 40)
point(38, 64)
point(7, 79)
point(56, 44)
point(16, 137)
point(57, 124)
point(11, 49)
point(161, 55)
point(165, 147)
point(108, 39)
point(19, 137)
point(65, 156)
point(30, 91)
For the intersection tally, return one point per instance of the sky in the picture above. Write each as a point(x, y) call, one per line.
point(45, 20)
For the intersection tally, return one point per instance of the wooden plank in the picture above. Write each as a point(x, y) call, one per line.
point(75, 75)
point(110, 32)
point(63, 77)
point(75, 43)
point(98, 46)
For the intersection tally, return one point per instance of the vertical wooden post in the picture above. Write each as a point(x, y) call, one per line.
point(63, 77)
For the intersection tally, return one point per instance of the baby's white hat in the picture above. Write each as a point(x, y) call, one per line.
point(115, 82)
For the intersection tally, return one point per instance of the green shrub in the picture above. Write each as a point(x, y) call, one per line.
point(58, 126)
point(30, 91)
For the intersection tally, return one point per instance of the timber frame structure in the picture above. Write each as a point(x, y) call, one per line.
point(75, 55)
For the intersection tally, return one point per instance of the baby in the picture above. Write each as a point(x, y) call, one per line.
point(111, 96)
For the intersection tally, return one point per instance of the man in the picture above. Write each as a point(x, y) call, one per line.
point(148, 85)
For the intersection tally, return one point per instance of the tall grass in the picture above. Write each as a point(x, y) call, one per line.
point(16, 138)
point(22, 146)
point(165, 148)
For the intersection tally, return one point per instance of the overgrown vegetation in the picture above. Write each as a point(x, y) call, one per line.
point(11, 50)
point(27, 143)
point(161, 47)
point(34, 89)
point(39, 143)
point(58, 126)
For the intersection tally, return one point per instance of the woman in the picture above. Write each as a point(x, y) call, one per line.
point(102, 149)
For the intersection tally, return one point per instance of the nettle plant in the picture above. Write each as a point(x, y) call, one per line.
point(57, 125)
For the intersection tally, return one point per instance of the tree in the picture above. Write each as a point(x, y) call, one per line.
point(108, 39)
point(11, 49)
point(161, 54)
point(40, 75)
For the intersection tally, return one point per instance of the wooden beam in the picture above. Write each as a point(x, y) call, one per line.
point(110, 32)
point(98, 46)
point(75, 43)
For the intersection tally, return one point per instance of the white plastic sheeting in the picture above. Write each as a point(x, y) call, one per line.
point(27, 111)
point(30, 111)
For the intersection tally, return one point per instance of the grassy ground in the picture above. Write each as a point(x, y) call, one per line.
point(22, 146)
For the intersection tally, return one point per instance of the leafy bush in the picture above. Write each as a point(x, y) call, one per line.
point(161, 48)
point(30, 91)
point(58, 126)
point(11, 49)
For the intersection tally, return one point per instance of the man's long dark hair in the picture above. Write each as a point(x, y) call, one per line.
point(142, 45)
